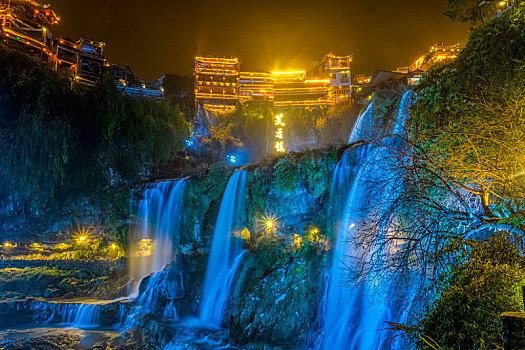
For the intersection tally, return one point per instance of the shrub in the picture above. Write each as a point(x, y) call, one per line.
point(286, 175)
point(485, 281)
point(269, 249)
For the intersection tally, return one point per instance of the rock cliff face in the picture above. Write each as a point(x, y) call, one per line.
point(277, 305)
point(277, 291)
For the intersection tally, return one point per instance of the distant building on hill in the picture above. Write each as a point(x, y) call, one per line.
point(25, 26)
point(129, 85)
point(83, 59)
point(438, 53)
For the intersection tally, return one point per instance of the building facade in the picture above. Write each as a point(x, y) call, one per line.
point(217, 83)
point(220, 85)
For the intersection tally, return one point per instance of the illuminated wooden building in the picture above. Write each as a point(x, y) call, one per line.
point(220, 85)
point(362, 79)
point(129, 85)
point(292, 89)
point(256, 86)
point(82, 60)
point(24, 26)
point(438, 53)
point(90, 63)
point(217, 83)
point(338, 70)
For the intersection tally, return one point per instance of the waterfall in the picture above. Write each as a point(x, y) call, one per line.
point(403, 113)
point(81, 315)
point(77, 314)
point(158, 232)
point(159, 223)
point(364, 126)
point(225, 255)
point(170, 312)
point(356, 304)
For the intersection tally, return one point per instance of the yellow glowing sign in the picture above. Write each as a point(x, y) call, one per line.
point(279, 147)
point(279, 134)
point(279, 120)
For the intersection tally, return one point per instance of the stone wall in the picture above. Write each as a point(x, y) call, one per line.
point(95, 267)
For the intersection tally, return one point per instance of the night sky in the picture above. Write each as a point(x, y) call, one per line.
point(161, 36)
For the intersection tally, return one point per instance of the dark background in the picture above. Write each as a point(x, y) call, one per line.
point(162, 36)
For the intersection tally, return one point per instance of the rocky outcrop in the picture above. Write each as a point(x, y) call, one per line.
point(94, 267)
point(276, 305)
point(52, 342)
point(41, 310)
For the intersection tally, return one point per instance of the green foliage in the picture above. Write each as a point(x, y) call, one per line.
point(250, 122)
point(58, 146)
point(464, 11)
point(257, 190)
point(202, 197)
point(269, 249)
point(314, 242)
point(469, 119)
point(138, 132)
point(316, 176)
point(485, 281)
point(217, 180)
point(34, 281)
point(286, 175)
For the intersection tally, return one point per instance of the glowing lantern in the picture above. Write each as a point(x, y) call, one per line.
point(297, 241)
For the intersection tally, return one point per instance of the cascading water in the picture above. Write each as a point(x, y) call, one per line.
point(81, 315)
point(364, 126)
point(356, 306)
point(403, 112)
point(226, 255)
point(159, 224)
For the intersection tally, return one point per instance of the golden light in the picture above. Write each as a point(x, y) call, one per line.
point(7, 244)
point(82, 234)
point(113, 246)
point(289, 72)
point(269, 223)
point(297, 242)
point(145, 247)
